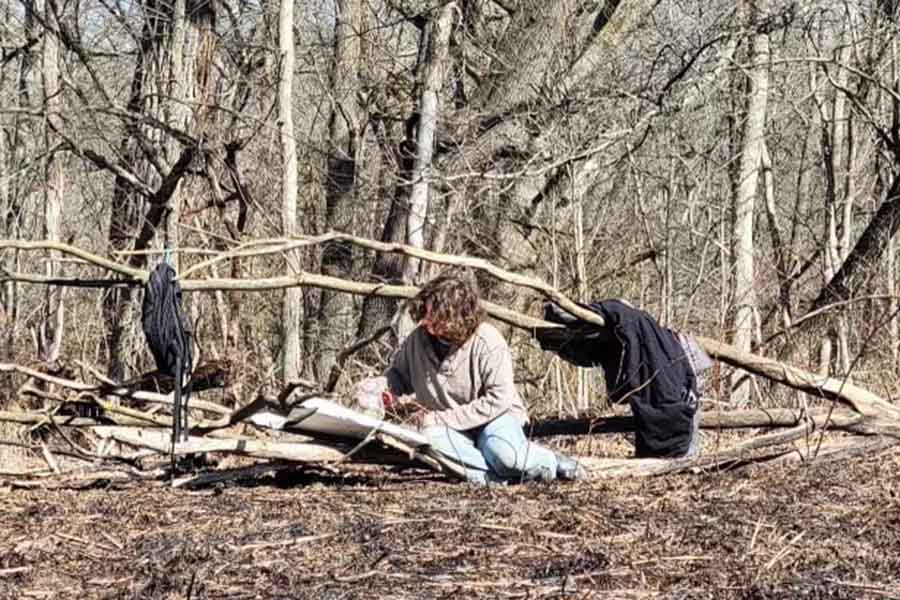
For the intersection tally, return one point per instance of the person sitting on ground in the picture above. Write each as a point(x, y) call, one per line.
point(459, 369)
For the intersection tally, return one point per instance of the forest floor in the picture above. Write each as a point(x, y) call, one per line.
point(821, 530)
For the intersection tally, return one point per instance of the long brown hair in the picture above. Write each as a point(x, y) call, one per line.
point(450, 304)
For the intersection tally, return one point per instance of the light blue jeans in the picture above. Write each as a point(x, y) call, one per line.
point(496, 452)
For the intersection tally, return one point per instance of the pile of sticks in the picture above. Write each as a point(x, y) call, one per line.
point(117, 442)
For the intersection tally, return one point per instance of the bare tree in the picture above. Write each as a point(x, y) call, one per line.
point(50, 334)
point(409, 209)
point(884, 224)
point(753, 141)
point(152, 165)
point(345, 124)
point(434, 66)
point(18, 71)
point(290, 312)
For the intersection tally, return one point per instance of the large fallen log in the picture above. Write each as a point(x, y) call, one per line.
point(737, 419)
point(775, 448)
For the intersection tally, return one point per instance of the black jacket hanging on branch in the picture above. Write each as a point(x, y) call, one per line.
point(163, 322)
point(643, 363)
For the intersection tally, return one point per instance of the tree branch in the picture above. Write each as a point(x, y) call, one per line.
point(859, 399)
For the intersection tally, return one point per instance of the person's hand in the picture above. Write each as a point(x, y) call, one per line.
point(400, 407)
point(389, 401)
point(419, 419)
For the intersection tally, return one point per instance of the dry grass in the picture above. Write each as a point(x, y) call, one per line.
point(828, 530)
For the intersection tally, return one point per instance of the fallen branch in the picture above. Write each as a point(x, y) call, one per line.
point(646, 467)
point(36, 418)
point(161, 441)
point(839, 450)
point(89, 257)
point(108, 390)
point(84, 479)
point(738, 419)
point(110, 408)
point(857, 398)
point(239, 474)
point(428, 457)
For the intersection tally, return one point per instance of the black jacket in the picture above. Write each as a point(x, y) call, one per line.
point(643, 363)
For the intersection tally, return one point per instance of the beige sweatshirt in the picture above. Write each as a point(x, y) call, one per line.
point(471, 387)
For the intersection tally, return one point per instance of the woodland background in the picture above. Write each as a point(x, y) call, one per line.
point(732, 168)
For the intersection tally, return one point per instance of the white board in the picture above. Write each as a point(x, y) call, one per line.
point(333, 419)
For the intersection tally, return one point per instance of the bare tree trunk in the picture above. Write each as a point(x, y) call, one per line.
point(7, 289)
point(666, 299)
point(748, 185)
point(866, 252)
point(893, 304)
point(892, 273)
point(51, 329)
point(182, 76)
point(861, 261)
point(781, 266)
point(838, 161)
point(581, 284)
point(335, 316)
point(128, 204)
point(293, 297)
point(147, 193)
point(14, 191)
point(406, 219)
point(434, 67)
point(378, 310)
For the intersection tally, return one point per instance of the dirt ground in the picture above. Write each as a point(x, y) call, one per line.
point(826, 530)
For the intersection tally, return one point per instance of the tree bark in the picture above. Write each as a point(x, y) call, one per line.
point(867, 251)
point(50, 333)
point(837, 162)
point(290, 312)
point(747, 189)
point(893, 304)
point(860, 264)
point(152, 167)
point(406, 219)
point(13, 189)
point(127, 202)
point(335, 312)
point(432, 72)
